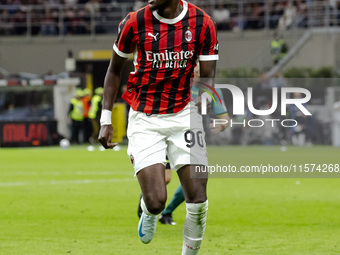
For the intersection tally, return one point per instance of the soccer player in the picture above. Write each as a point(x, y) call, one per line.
point(219, 111)
point(166, 37)
point(94, 112)
point(76, 114)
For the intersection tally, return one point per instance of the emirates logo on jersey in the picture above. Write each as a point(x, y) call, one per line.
point(169, 59)
point(188, 35)
point(169, 55)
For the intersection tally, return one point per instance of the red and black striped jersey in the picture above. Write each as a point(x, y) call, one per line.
point(165, 54)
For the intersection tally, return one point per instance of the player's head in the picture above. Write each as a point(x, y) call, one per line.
point(159, 4)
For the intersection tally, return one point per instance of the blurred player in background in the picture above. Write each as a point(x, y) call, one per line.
point(94, 113)
point(76, 114)
point(87, 125)
point(279, 48)
point(167, 37)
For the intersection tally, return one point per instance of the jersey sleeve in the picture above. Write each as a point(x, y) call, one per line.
point(219, 109)
point(125, 42)
point(209, 42)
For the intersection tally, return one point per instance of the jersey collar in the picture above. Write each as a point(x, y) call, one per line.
point(174, 20)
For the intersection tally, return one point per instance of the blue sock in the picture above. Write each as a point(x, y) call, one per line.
point(176, 200)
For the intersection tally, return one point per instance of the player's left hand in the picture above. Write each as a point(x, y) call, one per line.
point(105, 137)
point(216, 129)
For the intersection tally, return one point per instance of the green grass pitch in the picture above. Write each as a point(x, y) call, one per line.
point(75, 201)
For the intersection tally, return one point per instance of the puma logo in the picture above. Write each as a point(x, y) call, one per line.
point(154, 36)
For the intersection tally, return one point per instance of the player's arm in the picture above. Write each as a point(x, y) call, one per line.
point(207, 70)
point(111, 87)
point(221, 113)
point(208, 54)
point(222, 125)
point(112, 80)
point(207, 74)
point(122, 48)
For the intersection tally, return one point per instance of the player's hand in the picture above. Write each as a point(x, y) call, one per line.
point(105, 137)
point(215, 129)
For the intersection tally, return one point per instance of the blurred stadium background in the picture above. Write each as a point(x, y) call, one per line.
point(83, 201)
point(48, 48)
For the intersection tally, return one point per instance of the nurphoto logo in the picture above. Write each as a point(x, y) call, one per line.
point(240, 102)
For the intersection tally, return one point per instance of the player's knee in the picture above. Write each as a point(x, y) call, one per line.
point(155, 205)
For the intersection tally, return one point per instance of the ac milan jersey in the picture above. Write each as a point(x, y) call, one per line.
point(165, 53)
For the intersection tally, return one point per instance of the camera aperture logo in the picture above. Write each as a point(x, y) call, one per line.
point(240, 102)
point(210, 91)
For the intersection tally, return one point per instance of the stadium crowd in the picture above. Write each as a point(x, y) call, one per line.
point(84, 16)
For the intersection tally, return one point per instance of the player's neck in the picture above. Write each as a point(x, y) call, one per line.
point(172, 11)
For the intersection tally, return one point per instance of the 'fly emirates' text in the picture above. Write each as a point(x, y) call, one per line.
point(169, 59)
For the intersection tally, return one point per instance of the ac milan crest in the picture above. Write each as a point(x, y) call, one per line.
point(188, 35)
point(132, 159)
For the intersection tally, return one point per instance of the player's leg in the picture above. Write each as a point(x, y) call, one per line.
point(139, 209)
point(147, 152)
point(167, 175)
point(76, 125)
point(176, 200)
point(167, 171)
point(167, 180)
point(152, 182)
point(166, 216)
point(197, 205)
point(186, 146)
point(95, 131)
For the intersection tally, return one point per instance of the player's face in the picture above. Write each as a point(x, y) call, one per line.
point(158, 4)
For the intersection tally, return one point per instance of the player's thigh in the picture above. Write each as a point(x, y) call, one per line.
point(152, 182)
point(186, 144)
point(194, 187)
point(146, 146)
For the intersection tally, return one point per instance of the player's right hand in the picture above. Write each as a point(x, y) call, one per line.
point(105, 137)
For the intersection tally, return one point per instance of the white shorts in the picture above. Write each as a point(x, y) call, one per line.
point(179, 136)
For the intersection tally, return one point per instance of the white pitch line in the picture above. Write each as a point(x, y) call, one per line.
point(104, 173)
point(13, 184)
point(56, 173)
